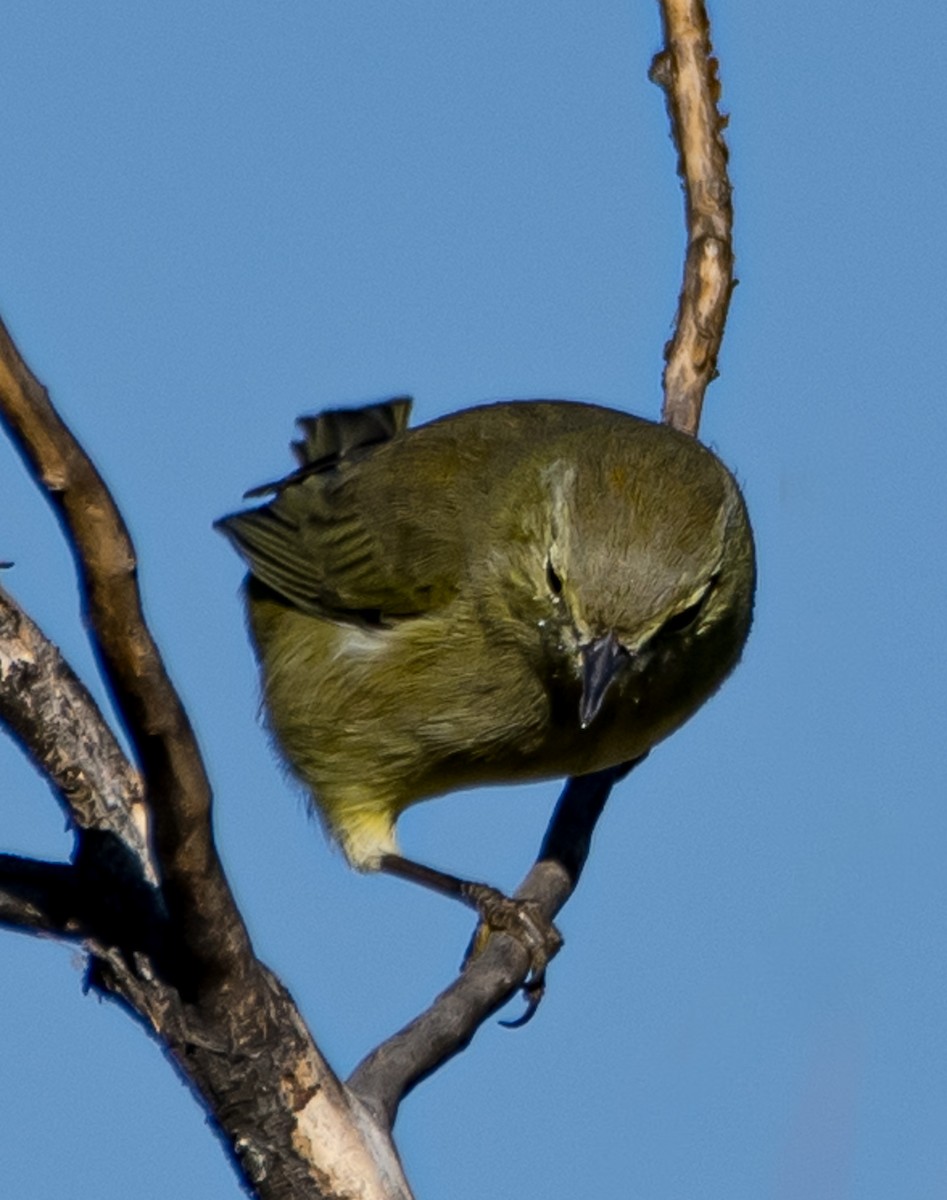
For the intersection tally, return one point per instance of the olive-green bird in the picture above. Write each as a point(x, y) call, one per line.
point(514, 592)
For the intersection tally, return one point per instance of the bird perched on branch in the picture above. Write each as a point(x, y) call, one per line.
point(513, 592)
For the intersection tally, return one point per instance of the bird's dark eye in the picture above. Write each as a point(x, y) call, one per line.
point(687, 617)
point(555, 583)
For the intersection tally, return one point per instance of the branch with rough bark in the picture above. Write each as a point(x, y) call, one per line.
point(145, 894)
point(687, 71)
point(228, 1024)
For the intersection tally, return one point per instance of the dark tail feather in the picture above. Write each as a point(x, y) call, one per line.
point(337, 433)
point(340, 433)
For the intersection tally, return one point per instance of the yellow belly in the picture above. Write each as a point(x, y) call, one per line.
point(373, 720)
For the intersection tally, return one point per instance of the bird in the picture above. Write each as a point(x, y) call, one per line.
point(516, 591)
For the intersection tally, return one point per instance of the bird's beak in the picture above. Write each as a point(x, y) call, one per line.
point(600, 662)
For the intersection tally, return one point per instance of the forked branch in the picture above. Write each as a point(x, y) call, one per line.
point(145, 892)
point(156, 914)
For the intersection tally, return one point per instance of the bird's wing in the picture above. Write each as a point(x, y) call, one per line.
point(363, 529)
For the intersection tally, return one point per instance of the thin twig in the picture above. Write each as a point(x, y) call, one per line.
point(175, 780)
point(54, 718)
point(176, 955)
point(687, 71)
point(490, 979)
point(39, 897)
point(225, 1021)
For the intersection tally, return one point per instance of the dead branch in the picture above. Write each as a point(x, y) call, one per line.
point(226, 1022)
point(157, 726)
point(399, 1064)
point(38, 897)
point(173, 948)
point(687, 71)
point(145, 893)
point(52, 715)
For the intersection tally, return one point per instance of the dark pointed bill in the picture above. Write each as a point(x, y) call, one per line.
point(600, 661)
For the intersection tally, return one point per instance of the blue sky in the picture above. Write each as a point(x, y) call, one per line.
point(216, 217)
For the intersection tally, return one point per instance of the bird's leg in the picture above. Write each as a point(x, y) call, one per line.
point(521, 919)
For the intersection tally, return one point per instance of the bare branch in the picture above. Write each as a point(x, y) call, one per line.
point(490, 979)
point(38, 897)
point(687, 71)
point(159, 922)
point(291, 1128)
point(52, 715)
point(139, 958)
point(176, 955)
point(174, 777)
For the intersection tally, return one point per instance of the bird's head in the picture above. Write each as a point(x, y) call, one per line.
point(637, 562)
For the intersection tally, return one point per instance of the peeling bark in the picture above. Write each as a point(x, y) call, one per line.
point(145, 893)
point(687, 71)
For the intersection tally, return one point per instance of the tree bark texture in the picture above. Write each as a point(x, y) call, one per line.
point(145, 894)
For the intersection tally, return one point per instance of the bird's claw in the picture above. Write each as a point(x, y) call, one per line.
point(533, 991)
point(524, 921)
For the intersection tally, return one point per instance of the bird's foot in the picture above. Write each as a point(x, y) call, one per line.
point(521, 919)
point(524, 921)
